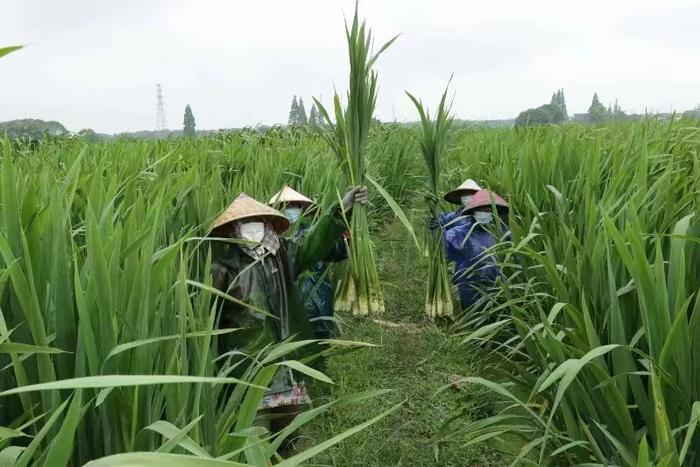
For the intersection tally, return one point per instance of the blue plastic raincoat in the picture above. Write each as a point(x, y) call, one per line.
point(465, 244)
point(448, 220)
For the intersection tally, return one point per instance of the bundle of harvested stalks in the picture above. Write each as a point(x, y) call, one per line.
point(359, 292)
point(438, 295)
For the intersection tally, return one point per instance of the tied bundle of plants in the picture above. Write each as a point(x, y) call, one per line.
point(359, 291)
point(434, 135)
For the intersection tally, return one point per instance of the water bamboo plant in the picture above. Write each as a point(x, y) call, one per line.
point(597, 319)
point(107, 314)
point(434, 137)
point(359, 290)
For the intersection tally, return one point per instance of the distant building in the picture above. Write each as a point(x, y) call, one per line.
point(581, 118)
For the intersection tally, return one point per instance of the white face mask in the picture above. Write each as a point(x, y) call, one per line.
point(482, 217)
point(292, 214)
point(464, 199)
point(253, 231)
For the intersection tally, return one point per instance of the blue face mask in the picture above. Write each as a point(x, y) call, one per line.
point(482, 217)
point(292, 214)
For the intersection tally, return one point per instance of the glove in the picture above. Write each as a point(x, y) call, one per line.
point(357, 194)
point(429, 196)
point(433, 223)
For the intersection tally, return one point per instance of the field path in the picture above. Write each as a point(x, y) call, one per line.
point(415, 358)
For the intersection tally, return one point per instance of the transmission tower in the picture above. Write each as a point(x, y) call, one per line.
point(161, 123)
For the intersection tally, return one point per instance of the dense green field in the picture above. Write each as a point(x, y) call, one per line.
point(586, 352)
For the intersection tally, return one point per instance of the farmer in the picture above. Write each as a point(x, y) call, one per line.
point(466, 244)
point(315, 285)
point(261, 273)
point(459, 196)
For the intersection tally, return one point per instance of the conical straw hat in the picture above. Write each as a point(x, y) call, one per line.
point(469, 186)
point(485, 198)
point(289, 196)
point(244, 207)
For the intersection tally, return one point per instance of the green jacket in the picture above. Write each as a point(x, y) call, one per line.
point(269, 283)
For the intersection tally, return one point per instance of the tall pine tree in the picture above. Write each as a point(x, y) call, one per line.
point(558, 104)
point(301, 113)
point(188, 123)
point(597, 112)
point(294, 112)
point(562, 103)
point(314, 116)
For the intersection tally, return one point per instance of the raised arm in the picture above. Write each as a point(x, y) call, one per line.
point(322, 239)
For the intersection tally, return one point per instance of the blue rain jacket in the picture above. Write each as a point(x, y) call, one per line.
point(316, 290)
point(465, 243)
point(449, 219)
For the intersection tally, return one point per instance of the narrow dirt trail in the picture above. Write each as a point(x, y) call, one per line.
point(416, 359)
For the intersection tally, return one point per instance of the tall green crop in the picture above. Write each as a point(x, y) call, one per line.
point(597, 310)
point(107, 315)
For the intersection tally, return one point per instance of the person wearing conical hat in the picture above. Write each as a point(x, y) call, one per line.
point(259, 270)
point(292, 204)
point(315, 284)
point(463, 193)
point(467, 245)
point(459, 196)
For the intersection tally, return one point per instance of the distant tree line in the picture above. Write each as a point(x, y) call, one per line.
point(31, 128)
point(297, 114)
point(598, 113)
point(695, 113)
point(555, 112)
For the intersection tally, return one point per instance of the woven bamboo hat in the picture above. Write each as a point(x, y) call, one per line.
point(289, 196)
point(469, 186)
point(485, 198)
point(245, 207)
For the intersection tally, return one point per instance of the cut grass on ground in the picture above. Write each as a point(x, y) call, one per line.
point(415, 358)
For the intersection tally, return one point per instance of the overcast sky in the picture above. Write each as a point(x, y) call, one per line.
point(95, 63)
